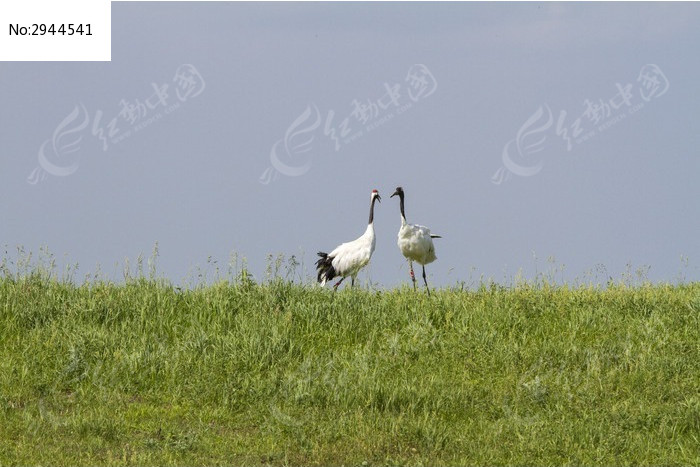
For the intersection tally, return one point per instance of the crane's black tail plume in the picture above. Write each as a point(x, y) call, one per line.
point(325, 268)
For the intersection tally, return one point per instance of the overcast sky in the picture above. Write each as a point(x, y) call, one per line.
point(520, 132)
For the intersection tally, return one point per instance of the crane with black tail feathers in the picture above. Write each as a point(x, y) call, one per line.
point(415, 242)
point(349, 258)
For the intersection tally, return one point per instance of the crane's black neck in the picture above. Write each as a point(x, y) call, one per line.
point(371, 210)
point(403, 214)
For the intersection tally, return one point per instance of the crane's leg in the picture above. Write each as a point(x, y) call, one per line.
point(413, 276)
point(335, 287)
point(352, 281)
point(426, 281)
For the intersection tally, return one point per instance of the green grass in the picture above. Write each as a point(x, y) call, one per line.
point(241, 373)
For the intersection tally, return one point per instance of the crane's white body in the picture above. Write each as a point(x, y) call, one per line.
point(416, 243)
point(350, 257)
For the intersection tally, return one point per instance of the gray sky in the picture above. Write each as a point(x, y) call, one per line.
point(517, 131)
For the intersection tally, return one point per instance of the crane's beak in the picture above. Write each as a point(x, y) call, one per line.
point(395, 193)
point(378, 198)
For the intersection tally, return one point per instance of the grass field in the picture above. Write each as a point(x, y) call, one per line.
point(145, 373)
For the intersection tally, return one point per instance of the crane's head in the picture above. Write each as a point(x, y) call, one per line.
point(375, 195)
point(398, 192)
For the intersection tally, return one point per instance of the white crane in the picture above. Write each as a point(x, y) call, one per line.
point(415, 242)
point(348, 258)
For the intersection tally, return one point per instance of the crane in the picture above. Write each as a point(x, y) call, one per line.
point(349, 258)
point(415, 242)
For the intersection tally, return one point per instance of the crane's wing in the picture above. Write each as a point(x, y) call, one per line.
point(350, 257)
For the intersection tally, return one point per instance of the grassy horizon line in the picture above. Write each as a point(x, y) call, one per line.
point(289, 268)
